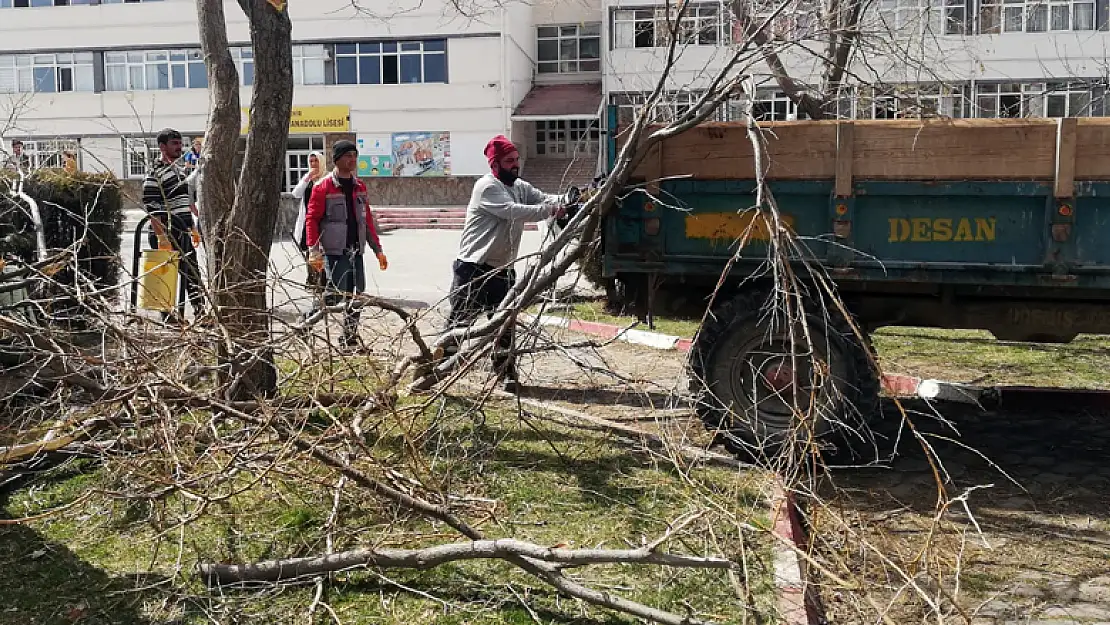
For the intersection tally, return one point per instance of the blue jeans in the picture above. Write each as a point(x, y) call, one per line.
point(346, 276)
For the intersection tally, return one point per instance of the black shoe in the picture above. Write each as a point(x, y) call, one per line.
point(349, 341)
point(513, 386)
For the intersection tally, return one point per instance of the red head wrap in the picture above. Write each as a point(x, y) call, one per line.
point(498, 148)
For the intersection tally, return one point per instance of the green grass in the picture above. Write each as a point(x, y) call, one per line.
point(126, 562)
point(594, 311)
point(968, 356)
point(972, 356)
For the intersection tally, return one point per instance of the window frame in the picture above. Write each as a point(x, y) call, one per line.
point(566, 138)
point(80, 68)
point(1000, 22)
point(185, 59)
point(573, 65)
point(389, 57)
point(47, 153)
point(702, 24)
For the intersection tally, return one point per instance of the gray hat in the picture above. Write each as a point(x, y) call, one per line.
point(342, 147)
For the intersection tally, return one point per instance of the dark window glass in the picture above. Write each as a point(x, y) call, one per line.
point(435, 68)
point(390, 72)
point(369, 70)
point(410, 68)
point(198, 76)
point(65, 79)
point(346, 71)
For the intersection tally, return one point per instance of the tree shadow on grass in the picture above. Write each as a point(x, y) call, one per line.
point(44, 583)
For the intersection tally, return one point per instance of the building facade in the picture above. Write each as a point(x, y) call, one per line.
point(423, 87)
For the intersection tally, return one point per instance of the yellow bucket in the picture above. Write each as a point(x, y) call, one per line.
point(158, 282)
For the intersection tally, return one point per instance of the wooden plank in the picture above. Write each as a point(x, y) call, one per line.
point(844, 146)
point(964, 149)
point(956, 150)
point(1093, 143)
point(1067, 131)
point(657, 162)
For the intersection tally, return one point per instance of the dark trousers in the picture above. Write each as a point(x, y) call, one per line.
point(187, 268)
point(346, 276)
point(478, 289)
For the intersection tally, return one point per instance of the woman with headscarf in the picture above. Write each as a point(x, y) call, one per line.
point(500, 205)
point(303, 191)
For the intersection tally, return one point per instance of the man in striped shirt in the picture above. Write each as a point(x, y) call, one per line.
point(167, 200)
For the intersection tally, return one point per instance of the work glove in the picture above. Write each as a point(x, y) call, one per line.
point(196, 237)
point(164, 243)
point(316, 259)
point(383, 262)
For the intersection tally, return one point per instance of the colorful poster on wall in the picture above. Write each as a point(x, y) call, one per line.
point(422, 154)
point(375, 155)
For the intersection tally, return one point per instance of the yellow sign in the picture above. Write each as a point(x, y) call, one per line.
point(732, 226)
point(312, 120)
point(942, 229)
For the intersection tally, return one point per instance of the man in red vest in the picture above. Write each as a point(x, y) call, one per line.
point(339, 225)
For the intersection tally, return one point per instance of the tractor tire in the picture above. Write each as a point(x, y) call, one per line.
point(760, 400)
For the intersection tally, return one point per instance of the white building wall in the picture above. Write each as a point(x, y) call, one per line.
point(566, 11)
point(491, 66)
point(473, 96)
point(930, 58)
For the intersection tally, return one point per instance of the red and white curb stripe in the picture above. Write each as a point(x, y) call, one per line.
point(797, 599)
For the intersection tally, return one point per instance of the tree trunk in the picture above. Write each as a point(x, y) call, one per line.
point(217, 191)
point(243, 227)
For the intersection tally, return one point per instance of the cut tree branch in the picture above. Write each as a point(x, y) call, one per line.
point(430, 557)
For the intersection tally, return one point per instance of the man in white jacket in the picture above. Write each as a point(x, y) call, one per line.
point(500, 205)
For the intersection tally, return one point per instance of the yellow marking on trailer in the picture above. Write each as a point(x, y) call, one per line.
point(732, 226)
point(928, 229)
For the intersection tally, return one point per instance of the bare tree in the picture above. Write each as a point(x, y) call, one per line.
point(241, 216)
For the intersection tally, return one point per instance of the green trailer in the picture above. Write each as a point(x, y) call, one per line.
point(1001, 225)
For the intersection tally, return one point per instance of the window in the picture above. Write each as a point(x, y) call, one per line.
point(297, 151)
point(49, 153)
point(46, 73)
point(391, 63)
point(1038, 99)
point(308, 64)
point(699, 25)
point(244, 64)
point(930, 17)
point(149, 70)
point(1009, 100)
point(569, 137)
point(669, 107)
point(568, 49)
point(5, 4)
point(1072, 100)
point(797, 21)
point(769, 105)
point(1033, 16)
point(139, 155)
point(911, 101)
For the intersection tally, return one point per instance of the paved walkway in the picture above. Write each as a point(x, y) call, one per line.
point(419, 271)
point(1043, 552)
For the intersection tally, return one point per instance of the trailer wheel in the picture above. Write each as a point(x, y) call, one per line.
point(758, 398)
